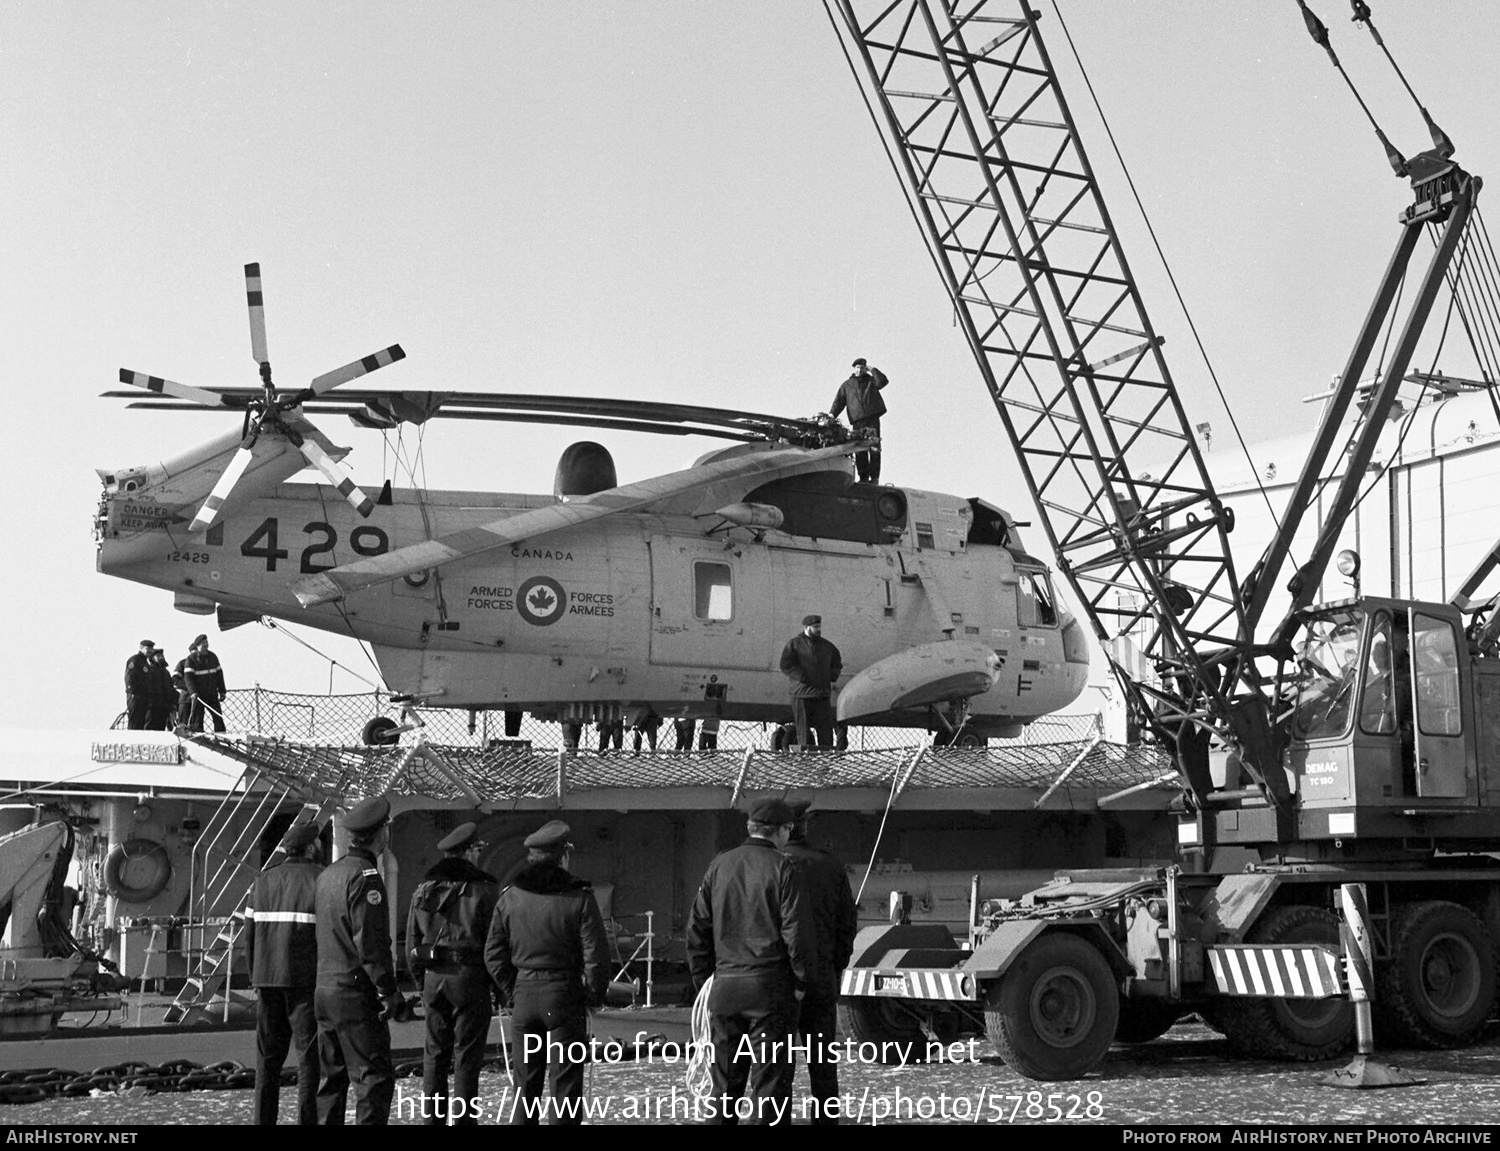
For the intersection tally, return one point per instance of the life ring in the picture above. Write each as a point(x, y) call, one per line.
point(137, 870)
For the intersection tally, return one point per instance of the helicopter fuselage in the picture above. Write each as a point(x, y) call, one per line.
point(686, 614)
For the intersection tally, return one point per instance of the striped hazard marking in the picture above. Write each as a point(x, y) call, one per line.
point(1308, 971)
point(909, 984)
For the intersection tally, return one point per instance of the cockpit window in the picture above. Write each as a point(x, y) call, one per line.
point(713, 592)
point(1328, 671)
point(1035, 606)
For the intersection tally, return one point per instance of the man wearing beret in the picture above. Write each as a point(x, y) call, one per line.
point(828, 905)
point(546, 952)
point(138, 687)
point(812, 665)
point(446, 931)
point(204, 680)
point(356, 992)
point(747, 932)
point(860, 394)
point(281, 950)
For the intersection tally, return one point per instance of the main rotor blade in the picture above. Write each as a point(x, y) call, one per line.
point(337, 475)
point(256, 301)
point(331, 380)
point(210, 509)
point(168, 388)
point(468, 542)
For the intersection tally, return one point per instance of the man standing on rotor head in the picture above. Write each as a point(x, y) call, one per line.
point(860, 394)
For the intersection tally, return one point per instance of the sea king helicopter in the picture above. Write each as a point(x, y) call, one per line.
point(598, 601)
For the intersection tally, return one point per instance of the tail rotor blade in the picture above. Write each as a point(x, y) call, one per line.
point(210, 509)
point(331, 380)
point(168, 388)
point(337, 475)
point(257, 313)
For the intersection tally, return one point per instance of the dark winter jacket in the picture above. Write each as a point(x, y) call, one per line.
point(449, 919)
point(354, 935)
point(281, 945)
point(861, 395)
point(748, 919)
point(829, 905)
point(202, 675)
point(138, 675)
point(811, 664)
point(547, 923)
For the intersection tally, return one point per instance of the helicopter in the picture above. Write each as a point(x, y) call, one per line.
point(598, 601)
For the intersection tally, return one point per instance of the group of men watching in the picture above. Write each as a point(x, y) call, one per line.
point(158, 697)
point(320, 956)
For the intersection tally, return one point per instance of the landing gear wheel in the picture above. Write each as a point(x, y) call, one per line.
point(1142, 1020)
point(1438, 988)
point(885, 1023)
point(382, 731)
point(1054, 1012)
point(1301, 1030)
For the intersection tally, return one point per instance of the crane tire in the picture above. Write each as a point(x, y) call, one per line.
point(1299, 1030)
point(1053, 1013)
point(1438, 987)
point(149, 867)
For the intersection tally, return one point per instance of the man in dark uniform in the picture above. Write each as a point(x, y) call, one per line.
point(204, 680)
point(546, 952)
point(138, 687)
point(860, 394)
point(446, 931)
point(356, 992)
point(812, 665)
point(828, 904)
point(747, 932)
point(281, 950)
point(163, 694)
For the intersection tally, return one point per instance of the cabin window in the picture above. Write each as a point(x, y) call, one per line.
point(1034, 603)
point(1327, 671)
point(1435, 660)
point(1381, 695)
point(713, 593)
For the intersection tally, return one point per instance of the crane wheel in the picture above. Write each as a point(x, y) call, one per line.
point(1142, 1020)
point(1053, 1013)
point(137, 870)
point(1301, 1030)
point(884, 1023)
point(1438, 988)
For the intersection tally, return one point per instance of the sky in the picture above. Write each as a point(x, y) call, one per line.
point(653, 200)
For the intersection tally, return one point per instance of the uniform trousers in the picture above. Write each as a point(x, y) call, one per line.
point(457, 1003)
point(867, 462)
point(817, 1020)
point(284, 1021)
point(758, 1012)
point(137, 712)
point(548, 1009)
point(200, 705)
point(354, 1043)
point(813, 714)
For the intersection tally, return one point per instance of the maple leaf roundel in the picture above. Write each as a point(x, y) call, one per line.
point(541, 600)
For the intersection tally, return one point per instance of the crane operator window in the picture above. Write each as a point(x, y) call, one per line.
point(713, 592)
point(1435, 657)
point(1327, 673)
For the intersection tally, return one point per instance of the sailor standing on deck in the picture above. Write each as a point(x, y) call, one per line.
point(446, 930)
point(281, 950)
point(356, 992)
point(546, 952)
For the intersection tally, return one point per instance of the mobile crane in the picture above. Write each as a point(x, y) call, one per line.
point(1363, 734)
